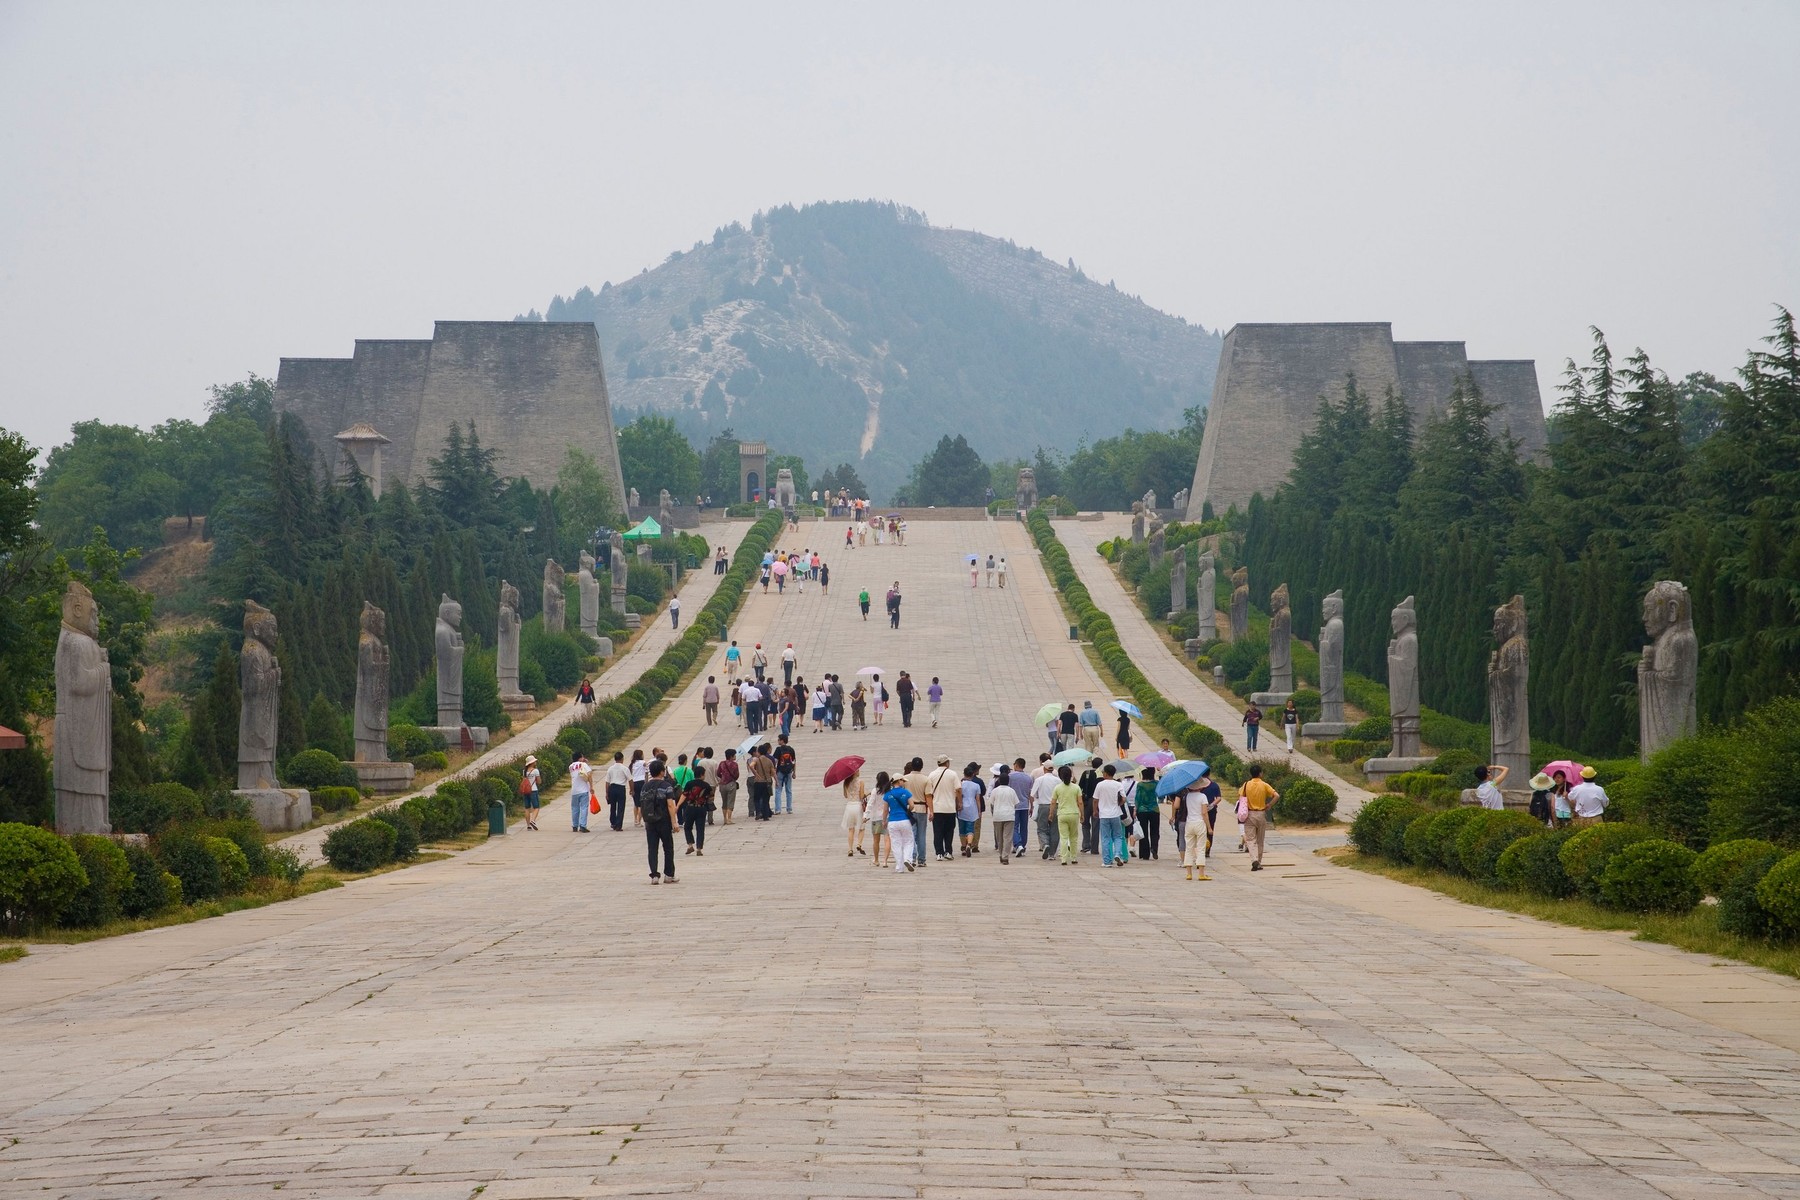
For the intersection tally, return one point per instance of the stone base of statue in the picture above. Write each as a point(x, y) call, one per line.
point(1325, 729)
point(1515, 801)
point(618, 600)
point(453, 735)
point(384, 778)
point(1379, 770)
point(279, 810)
point(80, 813)
point(517, 703)
point(1270, 699)
point(634, 621)
point(605, 645)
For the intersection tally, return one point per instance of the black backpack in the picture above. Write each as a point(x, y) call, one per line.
point(655, 797)
point(1540, 805)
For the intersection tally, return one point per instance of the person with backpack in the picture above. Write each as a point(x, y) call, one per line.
point(943, 787)
point(880, 697)
point(696, 804)
point(834, 707)
point(762, 783)
point(618, 781)
point(785, 760)
point(529, 783)
point(859, 706)
point(658, 800)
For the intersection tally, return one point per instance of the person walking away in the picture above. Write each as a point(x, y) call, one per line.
point(728, 775)
point(674, 612)
point(919, 808)
point(1087, 781)
point(1089, 720)
point(856, 797)
point(893, 606)
point(875, 816)
point(1149, 815)
point(849, 537)
point(1122, 739)
point(618, 786)
point(1588, 798)
point(1020, 783)
point(733, 656)
point(1110, 806)
point(785, 708)
point(762, 784)
point(1200, 805)
point(899, 800)
point(640, 771)
point(825, 579)
point(659, 801)
point(971, 795)
point(1252, 723)
point(1487, 787)
point(859, 706)
point(906, 691)
point(945, 790)
point(834, 705)
point(990, 570)
point(1001, 570)
point(974, 572)
point(788, 661)
point(581, 793)
point(784, 774)
point(862, 602)
point(821, 701)
point(880, 698)
point(1043, 807)
point(709, 700)
point(529, 787)
point(695, 809)
point(934, 697)
point(1258, 798)
point(1290, 723)
point(759, 662)
point(1067, 722)
point(1067, 798)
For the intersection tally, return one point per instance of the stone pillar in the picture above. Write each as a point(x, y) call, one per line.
point(449, 664)
point(1240, 604)
point(621, 570)
point(1509, 703)
point(1668, 672)
point(1156, 541)
point(590, 596)
point(259, 719)
point(373, 770)
point(83, 755)
point(1178, 579)
point(1206, 600)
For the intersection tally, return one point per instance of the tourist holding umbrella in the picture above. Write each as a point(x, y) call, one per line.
point(847, 772)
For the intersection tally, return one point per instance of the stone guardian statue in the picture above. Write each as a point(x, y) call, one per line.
point(259, 684)
point(1403, 680)
point(621, 573)
point(1669, 670)
point(1509, 703)
point(372, 687)
point(1331, 721)
point(506, 643)
point(556, 605)
point(590, 595)
point(1240, 604)
point(83, 762)
point(1178, 577)
point(1206, 599)
point(449, 664)
point(1281, 646)
point(1026, 496)
point(1137, 521)
point(1156, 541)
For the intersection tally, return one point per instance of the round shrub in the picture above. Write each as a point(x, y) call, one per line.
point(1415, 839)
point(1368, 831)
point(560, 657)
point(336, 799)
point(1485, 837)
point(234, 868)
point(577, 739)
point(284, 865)
point(248, 837)
point(1586, 854)
point(152, 808)
point(1718, 865)
point(1308, 801)
point(1650, 876)
point(313, 769)
point(108, 877)
point(1740, 911)
point(1437, 847)
point(1459, 765)
point(1779, 895)
point(1371, 729)
point(1534, 864)
point(407, 741)
point(406, 830)
point(427, 816)
point(40, 875)
point(432, 760)
point(185, 856)
point(361, 845)
point(150, 888)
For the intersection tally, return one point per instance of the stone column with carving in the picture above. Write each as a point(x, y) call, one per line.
point(1403, 698)
point(1206, 599)
point(449, 664)
point(556, 604)
point(1668, 672)
point(1156, 541)
point(621, 573)
point(259, 690)
point(1509, 698)
point(83, 756)
point(1137, 521)
point(1281, 650)
point(1331, 723)
point(1178, 581)
point(1240, 604)
point(506, 652)
point(590, 595)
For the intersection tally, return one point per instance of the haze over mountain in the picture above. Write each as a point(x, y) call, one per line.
point(856, 332)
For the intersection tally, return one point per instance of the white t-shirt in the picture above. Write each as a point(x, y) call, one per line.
point(1041, 792)
point(945, 788)
point(1001, 802)
point(640, 770)
point(617, 774)
point(580, 778)
point(1489, 795)
point(1589, 799)
point(1106, 798)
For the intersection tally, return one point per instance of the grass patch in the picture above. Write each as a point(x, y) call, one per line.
point(263, 892)
point(12, 953)
point(1697, 930)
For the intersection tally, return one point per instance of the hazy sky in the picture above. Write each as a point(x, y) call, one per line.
point(189, 192)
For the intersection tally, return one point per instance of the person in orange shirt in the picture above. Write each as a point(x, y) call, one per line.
point(1258, 799)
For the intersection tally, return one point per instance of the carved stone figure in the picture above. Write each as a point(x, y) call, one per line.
point(1240, 604)
point(590, 593)
point(664, 516)
point(83, 762)
point(1156, 541)
point(621, 570)
point(1178, 580)
point(372, 687)
point(506, 644)
point(1281, 647)
point(1668, 670)
point(1331, 659)
point(259, 684)
point(1026, 497)
point(634, 498)
point(785, 495)
point(1150, 500)
point(1403, 680)
point(1137, 521)
point(1179, 502)
point(1206, 599)
point(1509, 710)
point(449, 663)
point(556, 605)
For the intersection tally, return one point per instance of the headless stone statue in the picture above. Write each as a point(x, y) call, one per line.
point(621, 571)
point(1281, 647)
point(372, 687)
point(1156, 542)
point(1178, 576)
point(1403, 680)
point(506, 645)
point(556, 605)
point(1240, 604)
point(1206, 599)
point(449, 664)
point(1668, 670)
point(83, 762)
point(1137, 522)
point(1331, 661)
point(590, 595)
point(259, 684)
point(1509, 705)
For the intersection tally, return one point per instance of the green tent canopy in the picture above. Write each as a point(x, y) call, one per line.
point(647, 528)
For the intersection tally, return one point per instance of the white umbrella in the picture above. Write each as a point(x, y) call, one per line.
point(873, 671)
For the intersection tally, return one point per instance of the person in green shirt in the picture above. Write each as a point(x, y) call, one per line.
point(682, 774)
point(1067, 801)
point(1148, 814)
point(862, 602)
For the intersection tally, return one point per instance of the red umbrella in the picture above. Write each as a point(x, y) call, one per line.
point(843, 769)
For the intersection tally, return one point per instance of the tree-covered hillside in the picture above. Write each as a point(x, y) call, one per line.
point(857, 333)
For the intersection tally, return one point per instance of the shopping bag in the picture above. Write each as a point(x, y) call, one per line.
point(593, 804)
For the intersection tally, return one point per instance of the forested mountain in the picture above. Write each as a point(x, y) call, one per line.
point(856, 332)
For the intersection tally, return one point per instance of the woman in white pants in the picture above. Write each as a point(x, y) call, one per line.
point(900, 829)
point(1290, 723)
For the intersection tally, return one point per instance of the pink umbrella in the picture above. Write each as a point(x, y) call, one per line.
point(1154, 758)
point(1569, 767)
point(780, 568)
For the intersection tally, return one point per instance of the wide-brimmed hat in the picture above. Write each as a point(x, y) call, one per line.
point(1587, 772)
point(530, 759)
point(1541, 782)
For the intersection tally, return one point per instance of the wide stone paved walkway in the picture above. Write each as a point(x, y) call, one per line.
point(530, 1019)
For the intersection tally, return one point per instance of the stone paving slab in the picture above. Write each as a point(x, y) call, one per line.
point(531, 1018)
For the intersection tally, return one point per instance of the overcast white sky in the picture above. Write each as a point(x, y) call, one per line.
point(190, 191)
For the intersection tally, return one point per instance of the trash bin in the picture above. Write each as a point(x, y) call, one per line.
point(496, 818)
point(1074, 633)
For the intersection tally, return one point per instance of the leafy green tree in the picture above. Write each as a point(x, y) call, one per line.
point(107, 475)
point(125, 617)
point(583, 501)
point(1114, 471)
point(952, 475)
point(30, 608)
point(794, 463)
point(843, 477)
point(654, 455)
point(1466, 477)
point(719, 468)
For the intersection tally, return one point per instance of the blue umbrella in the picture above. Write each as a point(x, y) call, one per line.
point(1128, 708)
point(1069, 758)
point(1178, 776)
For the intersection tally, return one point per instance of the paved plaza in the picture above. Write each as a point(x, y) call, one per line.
point(531, 1019)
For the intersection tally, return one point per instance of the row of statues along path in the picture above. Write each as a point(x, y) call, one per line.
point(83, 731)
